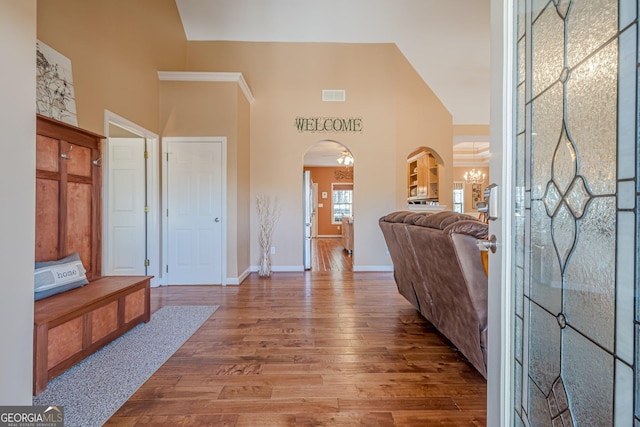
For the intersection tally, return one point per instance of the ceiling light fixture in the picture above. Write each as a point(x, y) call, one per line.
point(345, 159)
point(474, 176)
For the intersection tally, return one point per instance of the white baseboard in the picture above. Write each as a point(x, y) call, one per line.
point(239, 279)
point(299, 268)
point(287, 268)
point(359, 268)
point(280, 268)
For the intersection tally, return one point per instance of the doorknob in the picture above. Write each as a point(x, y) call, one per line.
point(217, 219)
point(487, 245)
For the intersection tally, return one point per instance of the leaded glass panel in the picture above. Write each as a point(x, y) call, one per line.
point(576, 317)
point(590, 24)
point(548, 49)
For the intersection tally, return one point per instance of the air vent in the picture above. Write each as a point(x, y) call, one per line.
point(333, 95)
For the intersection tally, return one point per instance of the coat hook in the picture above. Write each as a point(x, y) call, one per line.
point(66, 154)
point(98, 161)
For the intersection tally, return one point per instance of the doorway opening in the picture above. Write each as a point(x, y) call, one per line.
point(328, 207)
point(131, 209)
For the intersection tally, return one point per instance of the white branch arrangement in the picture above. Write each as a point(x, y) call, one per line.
point(268, 214)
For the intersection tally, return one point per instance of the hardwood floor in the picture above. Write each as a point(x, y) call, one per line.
point(329, 255)
point(308, 349)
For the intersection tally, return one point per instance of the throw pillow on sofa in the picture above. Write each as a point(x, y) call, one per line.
point(54, 277)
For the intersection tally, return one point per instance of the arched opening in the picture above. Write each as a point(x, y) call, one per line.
point(424, 166)
point(328, 207)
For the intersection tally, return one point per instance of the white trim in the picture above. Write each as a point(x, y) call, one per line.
point(500, 358)
point(165, 249)
point(280, 268)
point(207, 76)
point(238, 280)
point(372, 268)
point(286, 268)
point(153, 192)
point(298, 268)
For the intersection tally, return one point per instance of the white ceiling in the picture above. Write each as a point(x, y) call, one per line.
point(446, 41)
point(324, 153)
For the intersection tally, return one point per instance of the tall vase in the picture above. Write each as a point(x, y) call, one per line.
point(265, 264)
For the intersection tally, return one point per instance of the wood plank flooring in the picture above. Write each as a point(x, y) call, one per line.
point(328, 254)
point(308, 349)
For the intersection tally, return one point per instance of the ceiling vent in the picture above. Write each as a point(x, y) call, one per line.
point(333, 95)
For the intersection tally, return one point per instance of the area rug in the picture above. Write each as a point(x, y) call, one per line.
point(94, 389)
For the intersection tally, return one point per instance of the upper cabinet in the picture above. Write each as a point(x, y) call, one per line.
point(68, 194)
point(422, 181)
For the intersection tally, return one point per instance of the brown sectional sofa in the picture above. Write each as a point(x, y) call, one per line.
point(438, 269)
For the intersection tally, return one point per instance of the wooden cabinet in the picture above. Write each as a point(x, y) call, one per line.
point(422, 181)
point(68, 194)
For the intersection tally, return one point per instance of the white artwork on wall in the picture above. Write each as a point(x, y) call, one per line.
point(55, 97)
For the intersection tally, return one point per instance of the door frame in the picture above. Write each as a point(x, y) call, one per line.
point(153, 192)
point(165, 224)
point(500, 355)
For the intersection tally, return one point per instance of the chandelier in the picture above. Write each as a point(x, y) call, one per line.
point(474, 176)
point(345, 158)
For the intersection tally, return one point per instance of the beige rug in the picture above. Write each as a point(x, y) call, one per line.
point(94, 389)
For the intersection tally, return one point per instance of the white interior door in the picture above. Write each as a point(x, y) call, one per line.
point(194, 213)
point(126, 242)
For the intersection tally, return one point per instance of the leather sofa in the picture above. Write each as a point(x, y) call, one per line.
point(438, 269)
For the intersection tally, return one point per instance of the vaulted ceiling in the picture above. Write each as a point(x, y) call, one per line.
point(446, 41)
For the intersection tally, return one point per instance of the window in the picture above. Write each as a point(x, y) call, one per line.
point(341, 202)
point(458, 197)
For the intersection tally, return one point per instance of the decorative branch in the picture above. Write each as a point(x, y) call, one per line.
point(268, 214)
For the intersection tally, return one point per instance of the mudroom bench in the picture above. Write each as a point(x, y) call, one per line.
point(72, 325)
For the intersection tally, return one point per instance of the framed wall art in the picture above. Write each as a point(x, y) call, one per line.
point(55, 96)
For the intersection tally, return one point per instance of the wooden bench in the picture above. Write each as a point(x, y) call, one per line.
point(72, 325)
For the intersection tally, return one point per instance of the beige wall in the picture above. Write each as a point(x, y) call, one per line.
point(422, 121)
point(216, 109)
point(466, 130)
point(286, 80)
point(17, 190)
point(324, 177)
point(116, 48)
point(458, 175)
point(243, 177)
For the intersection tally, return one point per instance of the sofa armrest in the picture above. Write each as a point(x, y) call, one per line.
point(474, 228)
point(472, 269)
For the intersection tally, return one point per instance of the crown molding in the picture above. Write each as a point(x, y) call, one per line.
point(197, 76)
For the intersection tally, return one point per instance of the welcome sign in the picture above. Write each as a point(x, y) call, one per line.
point(328, 124)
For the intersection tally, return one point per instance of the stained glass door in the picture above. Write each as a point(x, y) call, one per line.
point(575, 233)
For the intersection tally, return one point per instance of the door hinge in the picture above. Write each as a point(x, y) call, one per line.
point(167, 269)
point(167, 157)
point(147, 209)
point(147, 263)
point(146, 154)
point(167, 212)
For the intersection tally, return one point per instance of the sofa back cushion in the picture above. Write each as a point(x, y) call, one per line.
point(442, 220)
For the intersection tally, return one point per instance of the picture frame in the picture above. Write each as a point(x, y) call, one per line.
point(55, 96)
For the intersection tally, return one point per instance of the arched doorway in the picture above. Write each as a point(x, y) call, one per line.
point(328, 207)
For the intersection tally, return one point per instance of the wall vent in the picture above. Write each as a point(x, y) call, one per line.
point(334, 95)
